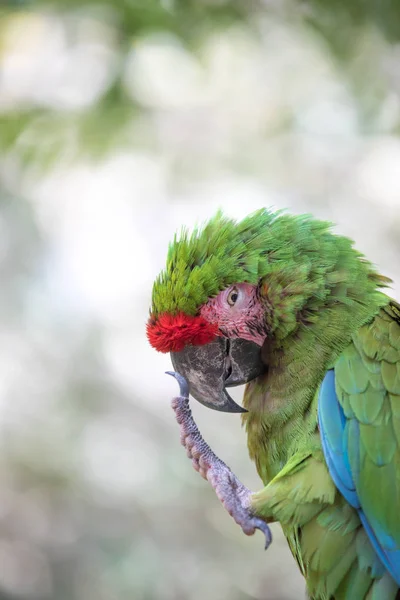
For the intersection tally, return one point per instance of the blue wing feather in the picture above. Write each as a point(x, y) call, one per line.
point(332, 423)
point(340, 444)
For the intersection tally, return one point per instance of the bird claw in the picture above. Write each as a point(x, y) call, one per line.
point(263, 527)
point(235, 497)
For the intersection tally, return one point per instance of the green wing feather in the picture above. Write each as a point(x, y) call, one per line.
point(368, 388)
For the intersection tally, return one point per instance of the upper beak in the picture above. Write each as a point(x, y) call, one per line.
point(219, 364)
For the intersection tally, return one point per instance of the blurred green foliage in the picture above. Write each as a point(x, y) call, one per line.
point(345, 27)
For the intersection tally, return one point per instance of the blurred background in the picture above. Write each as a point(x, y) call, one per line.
point(120, 121)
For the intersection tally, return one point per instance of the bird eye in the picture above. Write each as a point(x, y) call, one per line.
point(232, 296)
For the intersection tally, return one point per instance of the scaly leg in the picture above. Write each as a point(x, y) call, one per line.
point(232, 493)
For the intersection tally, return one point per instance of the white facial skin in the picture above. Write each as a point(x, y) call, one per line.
point(238, 313)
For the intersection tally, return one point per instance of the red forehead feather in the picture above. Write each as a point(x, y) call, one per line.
point(171, 333)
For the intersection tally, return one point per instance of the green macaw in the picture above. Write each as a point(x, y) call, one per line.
point(281, 303)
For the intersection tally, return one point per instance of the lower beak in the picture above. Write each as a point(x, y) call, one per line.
point(211, 368)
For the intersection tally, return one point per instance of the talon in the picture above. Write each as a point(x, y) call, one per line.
point(183, 384)
point(263, 527)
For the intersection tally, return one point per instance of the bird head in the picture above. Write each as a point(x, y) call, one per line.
point(231, 288)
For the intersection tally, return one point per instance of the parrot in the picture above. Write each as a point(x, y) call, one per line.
point(281, 303)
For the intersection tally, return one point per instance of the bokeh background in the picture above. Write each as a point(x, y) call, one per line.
point(121, 121)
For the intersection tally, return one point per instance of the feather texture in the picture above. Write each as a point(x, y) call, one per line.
point(346, 543)
point(372, 451)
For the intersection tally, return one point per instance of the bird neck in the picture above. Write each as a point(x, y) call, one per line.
point(282, 403)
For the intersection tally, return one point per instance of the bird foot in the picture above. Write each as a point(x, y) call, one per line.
point(232, 493)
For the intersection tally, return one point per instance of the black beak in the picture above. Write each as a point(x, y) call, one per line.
point(219, 364)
